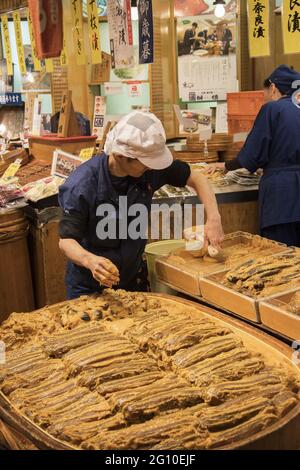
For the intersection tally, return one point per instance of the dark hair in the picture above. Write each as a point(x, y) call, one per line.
point(268, 83)
point(195, 25)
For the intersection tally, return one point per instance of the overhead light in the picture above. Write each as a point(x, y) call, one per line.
point(134, 10)
point(134, 14)
point(220, 8)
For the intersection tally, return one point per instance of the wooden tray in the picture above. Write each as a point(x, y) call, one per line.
point(187, 276)
point(283, 435)
point(274, 314)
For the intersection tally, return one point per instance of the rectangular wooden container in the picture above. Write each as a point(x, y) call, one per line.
point(187, 276)
point(274, 315)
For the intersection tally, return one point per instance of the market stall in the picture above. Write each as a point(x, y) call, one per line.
point(160, 103)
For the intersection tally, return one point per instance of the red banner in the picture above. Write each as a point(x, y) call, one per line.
point(47, 27)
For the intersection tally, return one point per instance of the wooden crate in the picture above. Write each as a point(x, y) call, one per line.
point(186, 276)
point(48, 263)
point(274, 315)
point(42, 148)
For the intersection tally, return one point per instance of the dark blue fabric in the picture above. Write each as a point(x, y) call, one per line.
point(284, 233)
point(284, 77)
point(90, 186)
point(274, 145)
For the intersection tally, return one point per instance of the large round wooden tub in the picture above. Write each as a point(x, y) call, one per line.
point(217, 409)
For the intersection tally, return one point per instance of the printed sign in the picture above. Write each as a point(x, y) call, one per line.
point(11, 99)
point(99, 115)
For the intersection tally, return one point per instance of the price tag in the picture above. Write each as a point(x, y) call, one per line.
point(86, 154)
point(12, 169)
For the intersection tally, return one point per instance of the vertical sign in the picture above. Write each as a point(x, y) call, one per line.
point(99, 114)
point(120, 34)
point(19, 42)
point(146, 32)
point(36, 61)
point(10, 70)
point(29, 110)
point(259, 28)
point(291, 26)
point(37, 116)
point(94, 31)
point(78, 31)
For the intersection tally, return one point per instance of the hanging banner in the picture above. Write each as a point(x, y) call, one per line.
point(36, 61)
point(94, 32)
point(47, 27)
point(78, 36)
point(19, 42)
point(291, 26)
point(6, 38)
point(146, 32)
point(120, 34)
point(99, 114)
point(259, 28)
point(49, 65)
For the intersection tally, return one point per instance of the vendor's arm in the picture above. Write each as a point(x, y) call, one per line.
point(255, 153)
point(213, 228)
point(103, 270)
point(74, 199)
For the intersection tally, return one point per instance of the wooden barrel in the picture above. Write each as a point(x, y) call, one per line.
point(16, 292)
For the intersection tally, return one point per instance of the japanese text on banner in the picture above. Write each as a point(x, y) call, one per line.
point(36, 61)
point(291, 26)
point(7, 45)
point(94, 32)
point(120, 34)
point(78, 37)
point(259, 28)
point(146, 35)
point(19, 42)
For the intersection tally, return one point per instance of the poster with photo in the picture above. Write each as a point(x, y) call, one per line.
point(207, 62)
point(39, 82)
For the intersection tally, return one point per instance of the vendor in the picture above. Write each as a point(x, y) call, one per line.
point(136, 163)
point(274, 146)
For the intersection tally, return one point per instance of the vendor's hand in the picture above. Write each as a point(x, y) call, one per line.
point(194, 233)
point(214, 234)
point(104, 271)
point(213, 167)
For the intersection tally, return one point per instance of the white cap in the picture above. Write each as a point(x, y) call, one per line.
point(141, 136)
